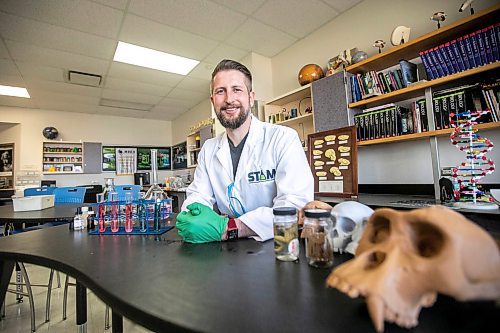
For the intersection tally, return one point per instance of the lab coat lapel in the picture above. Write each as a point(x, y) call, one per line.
point(252, 147)
point(224, 156)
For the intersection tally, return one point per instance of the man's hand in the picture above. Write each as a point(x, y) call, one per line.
point(201, 224)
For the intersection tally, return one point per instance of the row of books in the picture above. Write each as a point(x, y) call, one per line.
point(391, 120)
point(375, 83)
point(448, 106)
point(469, 51)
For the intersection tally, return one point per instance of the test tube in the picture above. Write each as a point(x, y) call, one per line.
point(141, 213)
point(115, 224)
point(101, 212)
point(128, 212)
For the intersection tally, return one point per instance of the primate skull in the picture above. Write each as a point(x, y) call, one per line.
point(349, 219)
point(405, 258)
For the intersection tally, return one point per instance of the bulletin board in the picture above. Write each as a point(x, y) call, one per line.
point(333, 158)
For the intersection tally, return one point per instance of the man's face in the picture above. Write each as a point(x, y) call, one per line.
point(231, 98)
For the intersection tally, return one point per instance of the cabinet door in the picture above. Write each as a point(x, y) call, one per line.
point(330, 103)
point(92, 157)
point(205, 134)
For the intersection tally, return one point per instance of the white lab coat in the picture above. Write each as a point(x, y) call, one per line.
point(267, 147)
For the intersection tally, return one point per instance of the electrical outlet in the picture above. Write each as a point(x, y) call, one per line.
point(446, 171)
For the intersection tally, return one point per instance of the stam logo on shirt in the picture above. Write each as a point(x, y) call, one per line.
point(261, 176)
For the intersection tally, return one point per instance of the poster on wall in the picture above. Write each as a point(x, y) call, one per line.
point(144, 158)
point(179, 156)
point(6, 160)
point(108, 158)
point(126, 160)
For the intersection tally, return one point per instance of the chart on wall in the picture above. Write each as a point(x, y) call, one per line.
point(144, 158)
point(179, 156)
point(108, 158)
point(126, 160)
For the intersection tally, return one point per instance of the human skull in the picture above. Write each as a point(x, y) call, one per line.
point(405, 258)
point(348, 218)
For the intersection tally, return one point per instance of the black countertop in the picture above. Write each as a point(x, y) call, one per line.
point(167, 285)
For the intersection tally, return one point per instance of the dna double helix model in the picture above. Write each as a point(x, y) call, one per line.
point(477, 165)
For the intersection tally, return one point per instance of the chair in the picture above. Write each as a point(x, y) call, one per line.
point(123, 189)
point(69, 194)
point(44, 190)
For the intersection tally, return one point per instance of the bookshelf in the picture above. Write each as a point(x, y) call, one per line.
point(425, 89)
point(62, 157)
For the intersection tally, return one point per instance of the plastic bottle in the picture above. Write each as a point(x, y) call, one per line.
point(85, 214)
point(91, 219)
point(317, 231)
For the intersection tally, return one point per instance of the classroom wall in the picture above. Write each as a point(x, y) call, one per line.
point(109, 130)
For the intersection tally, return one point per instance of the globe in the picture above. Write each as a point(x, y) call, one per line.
point(359, 56)
point(310, 73)
point(50, 133)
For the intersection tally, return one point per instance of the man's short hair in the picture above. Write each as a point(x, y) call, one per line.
point(226, 65)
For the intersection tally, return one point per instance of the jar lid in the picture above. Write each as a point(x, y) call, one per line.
point(316, 213)
point(284, 211)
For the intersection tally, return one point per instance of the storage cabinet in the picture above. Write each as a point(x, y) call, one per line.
point(62, 157)
point(71, 157)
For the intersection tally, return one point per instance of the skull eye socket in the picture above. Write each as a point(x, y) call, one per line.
point(381, 229)
point(374, 259)
point(427, 239)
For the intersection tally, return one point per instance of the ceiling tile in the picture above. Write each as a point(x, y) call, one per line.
point(62, 87)
point(120, 112)
point(242, 6)
point(136, 87)
point(75, 14)
point(181, 104)
point(12, 80)
point(59, 38)
point(342, 5)
point(179, 93)
point(250, 37)
point(139, 31)
point(35, 71)
point(141, 74)
point(42, 95)
point(194, 84)
point(130, 97)
point(67, 107)
point(54, 58)
point(3, 51)
point(295, 17)
point(200, 17)
point(224, 51)
point(8, 67)
point(119, 4)
point(17, 101)
point(203, 71)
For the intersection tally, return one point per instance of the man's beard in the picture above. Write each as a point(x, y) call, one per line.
point(232, 123)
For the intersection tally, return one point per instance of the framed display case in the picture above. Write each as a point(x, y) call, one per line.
point(144, 158)
point(6, 166)
point(108, 158)
point(62, 157)
point(333, 158)
point(179, 156)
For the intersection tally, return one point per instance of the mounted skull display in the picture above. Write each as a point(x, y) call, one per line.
point(405, 258)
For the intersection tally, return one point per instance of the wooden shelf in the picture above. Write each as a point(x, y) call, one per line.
point(296, 120)
point(418, 89)
point(416, 136)
point(294, 95)
point(411, 49)
point(61, 153)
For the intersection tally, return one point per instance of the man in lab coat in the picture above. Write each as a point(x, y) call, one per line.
point(245, 172)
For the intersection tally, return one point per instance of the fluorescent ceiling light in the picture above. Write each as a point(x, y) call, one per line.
point(14, 91)
point(141, 56)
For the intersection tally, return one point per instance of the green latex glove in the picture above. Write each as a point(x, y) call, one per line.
point(201, 224)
